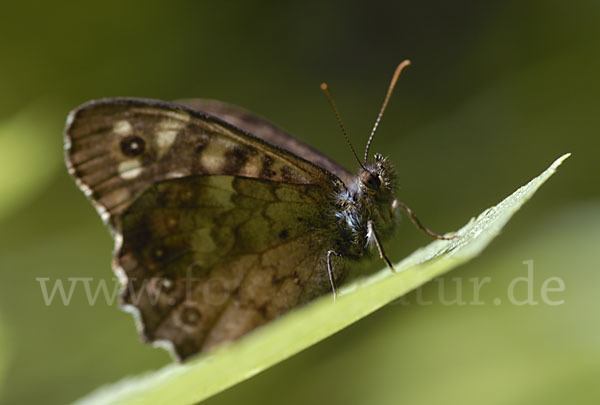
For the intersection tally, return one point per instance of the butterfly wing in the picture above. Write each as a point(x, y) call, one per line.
point(209, 258)
point(116, 147)
point(263, 129)
point(216, 231)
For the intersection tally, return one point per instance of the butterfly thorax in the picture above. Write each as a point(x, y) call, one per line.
point(370, 197)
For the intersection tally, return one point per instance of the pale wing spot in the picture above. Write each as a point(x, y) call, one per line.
point(164, 140)
point(130, 169)
point(212, 158)
point(212, 163)
point(122, 128)
point(116, 197)
point(166, 132)
point(175, 174)
point(253, 167)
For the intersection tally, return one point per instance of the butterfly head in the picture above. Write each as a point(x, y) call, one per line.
point(378, 177)
point(370, 197)
point(375, 184)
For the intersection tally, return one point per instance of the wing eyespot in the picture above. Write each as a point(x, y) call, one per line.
point(190, 315)
point(132, 146)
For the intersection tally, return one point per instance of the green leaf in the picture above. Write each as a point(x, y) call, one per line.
point(230, 364)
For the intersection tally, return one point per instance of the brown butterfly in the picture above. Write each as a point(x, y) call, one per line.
point(221, 220)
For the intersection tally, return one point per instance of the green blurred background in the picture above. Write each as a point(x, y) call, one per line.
point(496, 92)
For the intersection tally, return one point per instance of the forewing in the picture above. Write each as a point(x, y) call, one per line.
point(116, 148)
point(209, 258)
point(263, 129)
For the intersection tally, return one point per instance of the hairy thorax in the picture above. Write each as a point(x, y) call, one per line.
point(370, 197)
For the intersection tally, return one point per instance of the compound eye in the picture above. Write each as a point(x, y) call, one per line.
point(370, 180)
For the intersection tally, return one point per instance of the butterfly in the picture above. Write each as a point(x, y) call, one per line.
point(222, 221)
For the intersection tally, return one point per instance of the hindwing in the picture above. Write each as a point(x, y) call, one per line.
point(210, 258)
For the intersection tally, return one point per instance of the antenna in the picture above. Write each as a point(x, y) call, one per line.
point(397, 73)
point(325, 89)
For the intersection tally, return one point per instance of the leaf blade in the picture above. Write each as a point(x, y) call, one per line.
point(213, 372)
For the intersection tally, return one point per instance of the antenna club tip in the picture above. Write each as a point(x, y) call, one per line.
point(405, 63)
point(324, 86)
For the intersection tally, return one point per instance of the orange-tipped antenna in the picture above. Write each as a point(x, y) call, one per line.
point(397, 73)
point(325, 89)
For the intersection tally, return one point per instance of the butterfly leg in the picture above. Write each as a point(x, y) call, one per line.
point(330, 271)
point(418, 223)
point(372, 237)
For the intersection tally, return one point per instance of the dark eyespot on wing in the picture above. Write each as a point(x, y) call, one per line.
point(132, 145)
point(190, 315)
